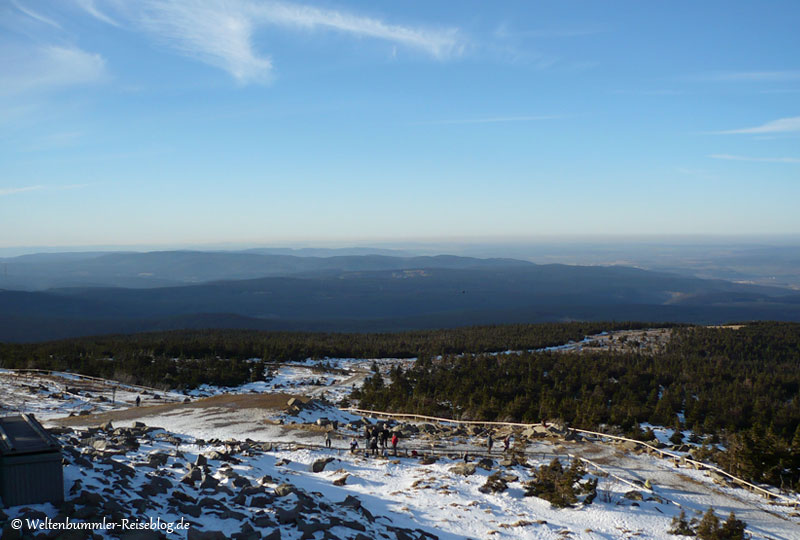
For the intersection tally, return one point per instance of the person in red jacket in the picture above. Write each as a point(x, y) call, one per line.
point(394, 443)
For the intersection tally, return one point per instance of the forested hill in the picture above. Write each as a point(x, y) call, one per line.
point(487, 292)
point(742, 384)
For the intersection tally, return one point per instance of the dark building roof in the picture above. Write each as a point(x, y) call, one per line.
point(24, 435)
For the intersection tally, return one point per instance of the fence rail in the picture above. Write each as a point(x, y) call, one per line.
point(105, 382)
point(649, 447)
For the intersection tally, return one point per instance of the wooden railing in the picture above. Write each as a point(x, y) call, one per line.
point(795, 502)
point(105, 382)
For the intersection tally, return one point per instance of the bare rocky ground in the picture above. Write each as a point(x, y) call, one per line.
point(162, 475)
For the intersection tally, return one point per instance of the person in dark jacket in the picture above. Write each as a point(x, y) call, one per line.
point(374, 444)
point(384, 437)
point(506, 443)
point(490, 442)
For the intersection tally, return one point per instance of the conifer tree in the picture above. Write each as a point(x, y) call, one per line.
point(680, 526)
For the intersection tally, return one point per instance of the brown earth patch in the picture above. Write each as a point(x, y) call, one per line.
point(225, 401)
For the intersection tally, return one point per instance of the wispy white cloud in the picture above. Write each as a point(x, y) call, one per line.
point(45, 67)
point(90, 7)
point(16, 190)
point(35, 15)
point(755, 159)
point(489, 120)
point(781, 125)
point(220, 32)
point(697, 173)
point(440, 43)
point(13, 191)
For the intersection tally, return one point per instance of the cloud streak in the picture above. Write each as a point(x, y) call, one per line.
point(220, 32)
point(781, 125)
point(14, 191)
point(34, 15)
point(46, 67)
point(89, 7)
point(730, 157)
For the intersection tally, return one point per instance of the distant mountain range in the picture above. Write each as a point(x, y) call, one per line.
point(96, 293)
point(164, 268)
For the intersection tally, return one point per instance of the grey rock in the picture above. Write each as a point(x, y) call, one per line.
point(209, 482)
point(138, 535)
point(284, 489)
point(287, 516)
point(465, 469)
point(350, 502)
point(196, 534)
point(341, 481)
point(486, 464)
point(192, 476)
point(193, 510)
point(157, 459)
point(319, 465)
point(634, 495)
point(264, 521)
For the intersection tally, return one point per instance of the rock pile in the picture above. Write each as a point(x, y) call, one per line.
point(139, 472)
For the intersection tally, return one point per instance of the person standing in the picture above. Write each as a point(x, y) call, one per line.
point(327, 439)
point(374, 444)
point(138, 400)
point(506, 443)
point(490, 442)
point(353, 445)
point(395, 440)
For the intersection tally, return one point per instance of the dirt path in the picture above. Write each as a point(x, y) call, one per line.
point(234, 402)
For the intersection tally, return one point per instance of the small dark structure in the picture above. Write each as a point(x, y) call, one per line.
point(30, 463)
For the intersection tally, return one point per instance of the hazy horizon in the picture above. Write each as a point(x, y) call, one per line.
point(437, 245)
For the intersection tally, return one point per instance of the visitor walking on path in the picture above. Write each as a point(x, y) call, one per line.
point(490, 442)
point(506, 443)
point(327, 439)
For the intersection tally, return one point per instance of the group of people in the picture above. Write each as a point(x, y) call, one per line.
point(506, 442)
point(379, 436)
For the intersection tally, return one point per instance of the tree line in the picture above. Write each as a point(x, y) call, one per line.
point(742, 385)
point(185, 359)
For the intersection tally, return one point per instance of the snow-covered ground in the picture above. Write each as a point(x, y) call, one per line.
point(401, 491)
point(61, 394)
point(331, 378)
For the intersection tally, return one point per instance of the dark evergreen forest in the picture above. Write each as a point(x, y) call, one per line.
point(185, 359)
point(739, 387)
point(742, 385)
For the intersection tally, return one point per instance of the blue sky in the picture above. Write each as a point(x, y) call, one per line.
point(186, 121)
